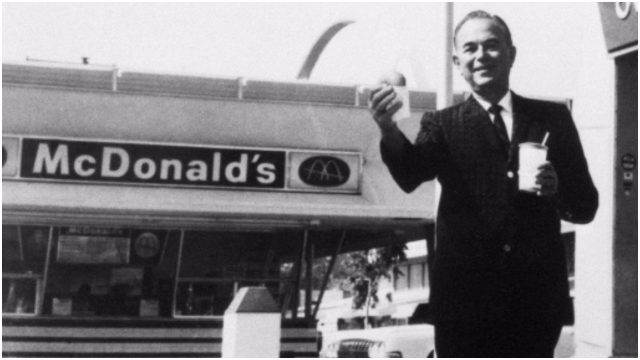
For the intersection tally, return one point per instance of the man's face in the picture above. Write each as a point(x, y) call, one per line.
point(483, 56)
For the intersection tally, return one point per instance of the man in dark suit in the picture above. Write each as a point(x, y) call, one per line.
point(499, 275)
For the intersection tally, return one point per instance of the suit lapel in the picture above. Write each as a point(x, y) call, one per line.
point(477, 121)
point(521, 122)
point(528, 124)
point(521, 125)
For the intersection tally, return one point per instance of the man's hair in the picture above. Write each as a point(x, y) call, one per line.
point(481, 14)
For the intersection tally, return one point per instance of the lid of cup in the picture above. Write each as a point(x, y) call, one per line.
point(533, 145)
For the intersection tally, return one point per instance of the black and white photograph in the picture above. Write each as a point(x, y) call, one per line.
point(320, 179)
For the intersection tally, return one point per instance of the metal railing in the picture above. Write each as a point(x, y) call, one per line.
point(112, 79)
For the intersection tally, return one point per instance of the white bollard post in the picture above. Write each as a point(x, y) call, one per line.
point(251, 326)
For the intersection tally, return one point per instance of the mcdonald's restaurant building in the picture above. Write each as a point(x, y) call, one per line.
point(135, 205)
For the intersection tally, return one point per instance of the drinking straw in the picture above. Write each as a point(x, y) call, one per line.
point(544, 140)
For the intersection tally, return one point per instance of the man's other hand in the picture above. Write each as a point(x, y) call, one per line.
point(547, 178)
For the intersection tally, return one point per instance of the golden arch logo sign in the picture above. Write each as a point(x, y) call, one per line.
point(335, 172)
point(324, 171)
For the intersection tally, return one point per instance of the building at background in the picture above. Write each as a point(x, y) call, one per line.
point(136, 205)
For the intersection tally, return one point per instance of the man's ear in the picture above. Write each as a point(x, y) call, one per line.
point(513, 55)
point(456, 62)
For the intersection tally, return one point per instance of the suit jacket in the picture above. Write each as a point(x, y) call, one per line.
point(498, 250)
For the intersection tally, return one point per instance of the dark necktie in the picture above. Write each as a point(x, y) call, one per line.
point(501, 129)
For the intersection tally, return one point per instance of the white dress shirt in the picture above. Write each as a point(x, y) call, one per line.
point(506, 111)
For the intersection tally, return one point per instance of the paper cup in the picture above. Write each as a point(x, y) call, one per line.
point(399, 83)
point(531, 157)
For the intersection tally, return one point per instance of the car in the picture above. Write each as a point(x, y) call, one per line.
point(385, 338)
point(414, 341)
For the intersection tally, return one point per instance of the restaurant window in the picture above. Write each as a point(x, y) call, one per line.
point(215, 265)
point(24, 251)
point(89, 271)
point(98, 271)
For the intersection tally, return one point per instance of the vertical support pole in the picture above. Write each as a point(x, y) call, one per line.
point(325, 281)
point(300, 261)
point(45, 276)
point(20, 244)
point(308, 277)
point(444, 94)
point(178, 264)
point(290, 292)
point(444, 97)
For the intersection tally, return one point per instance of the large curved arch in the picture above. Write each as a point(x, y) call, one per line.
point(318, 47)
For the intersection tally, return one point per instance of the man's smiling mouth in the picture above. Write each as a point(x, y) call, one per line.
point(483, 68)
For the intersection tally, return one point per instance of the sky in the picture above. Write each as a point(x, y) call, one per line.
point(269, 40)
point(264, 40)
